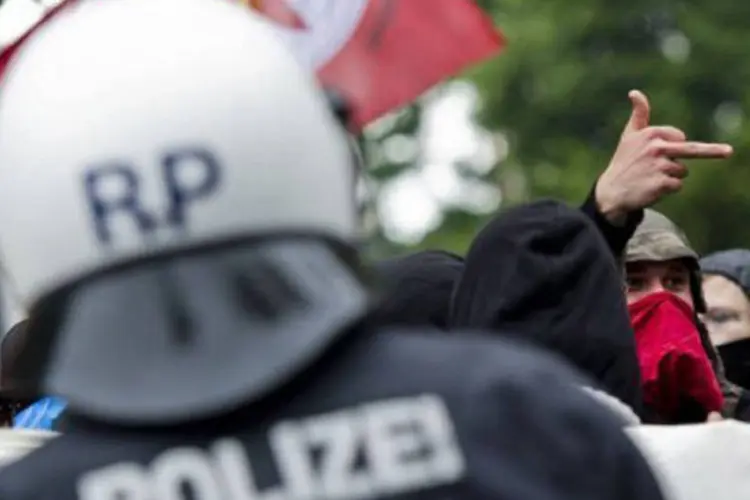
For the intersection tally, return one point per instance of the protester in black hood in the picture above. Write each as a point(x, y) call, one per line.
point(726, 286)
point(542, 272)
point(417, 288)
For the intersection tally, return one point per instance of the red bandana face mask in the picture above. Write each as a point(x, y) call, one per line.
point(675, 370)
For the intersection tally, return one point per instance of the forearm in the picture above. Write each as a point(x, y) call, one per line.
point(616, 230)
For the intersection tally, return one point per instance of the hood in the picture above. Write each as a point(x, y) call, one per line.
point(542, 272)
point(658, 239)
point(733, 264)
point(417, 288)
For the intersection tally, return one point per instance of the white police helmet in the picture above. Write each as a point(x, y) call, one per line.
point(137, 137)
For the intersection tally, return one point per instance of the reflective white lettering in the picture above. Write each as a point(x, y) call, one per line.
point(448, 461)
point(124, 481)
point(289, 444)
point(389, 447)
point(339, 437)
point(179, 469)
point(396, 443)
point(237, 473)
point(116, 192)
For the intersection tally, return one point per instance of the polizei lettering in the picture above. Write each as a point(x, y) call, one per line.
point(380, 449)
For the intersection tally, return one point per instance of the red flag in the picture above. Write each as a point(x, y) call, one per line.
point(403, 47)
point(379, 54)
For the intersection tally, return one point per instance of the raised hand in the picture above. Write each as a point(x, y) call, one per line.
point(646, 165)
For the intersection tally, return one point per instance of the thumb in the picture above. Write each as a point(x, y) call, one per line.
point(640, 116)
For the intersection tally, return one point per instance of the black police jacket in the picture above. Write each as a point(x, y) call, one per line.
point(405, 415)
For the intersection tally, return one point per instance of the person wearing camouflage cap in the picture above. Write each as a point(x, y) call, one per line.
point(659, 258)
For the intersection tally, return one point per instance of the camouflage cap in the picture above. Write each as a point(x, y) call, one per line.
point(658, 239)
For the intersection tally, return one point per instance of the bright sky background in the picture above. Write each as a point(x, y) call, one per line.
point(411, 205)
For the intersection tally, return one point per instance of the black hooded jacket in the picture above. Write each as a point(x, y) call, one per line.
point(417, 288)
point(544, 273)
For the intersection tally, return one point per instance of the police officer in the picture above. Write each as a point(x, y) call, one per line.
point(187, 251)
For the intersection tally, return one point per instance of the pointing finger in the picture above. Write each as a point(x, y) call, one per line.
point(695, 150)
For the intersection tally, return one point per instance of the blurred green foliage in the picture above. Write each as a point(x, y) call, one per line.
point(559, 94)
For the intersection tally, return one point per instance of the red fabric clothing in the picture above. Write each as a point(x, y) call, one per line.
point(674, 366)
